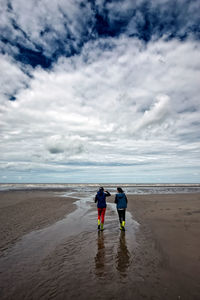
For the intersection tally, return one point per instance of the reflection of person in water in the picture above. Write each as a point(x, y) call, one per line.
point(100, 256)
point(123, 255)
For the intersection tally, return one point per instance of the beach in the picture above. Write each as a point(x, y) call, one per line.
point(170, 226)
point(24, 211)
point(50, 247)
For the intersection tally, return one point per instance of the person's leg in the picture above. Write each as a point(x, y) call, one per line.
point(123, 218)
point(103, 211)
point(99, 217)
point(119, 214)
point(120, 217)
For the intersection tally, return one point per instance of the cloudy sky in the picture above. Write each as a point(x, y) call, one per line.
point(100, 91)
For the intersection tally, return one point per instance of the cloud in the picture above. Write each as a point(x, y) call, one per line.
point(111, 103)
point(46, 28)
point(12, 78)
point(39, 32)
point(127, 104)
point(60, 144)
point(156, 114)
point(146, 19)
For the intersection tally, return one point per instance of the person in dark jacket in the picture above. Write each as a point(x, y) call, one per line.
point(121, 201)
point(100, 198)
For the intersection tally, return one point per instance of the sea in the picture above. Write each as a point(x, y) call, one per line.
point(90, 188)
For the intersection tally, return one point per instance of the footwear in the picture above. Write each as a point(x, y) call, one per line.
point(102, 227)
point(123, 225)
point(98, 224)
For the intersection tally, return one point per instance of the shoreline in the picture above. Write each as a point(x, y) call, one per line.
point(59, 187)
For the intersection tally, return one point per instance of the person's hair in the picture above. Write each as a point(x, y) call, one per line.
point(101, 188)
point(119, 189)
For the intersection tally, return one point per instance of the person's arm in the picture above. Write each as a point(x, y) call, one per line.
point(95, 200)
point(107, 194)
point(126, 200)
point(116, 199)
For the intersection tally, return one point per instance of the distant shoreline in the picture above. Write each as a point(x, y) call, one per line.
point(130, 188)
point(104, 184)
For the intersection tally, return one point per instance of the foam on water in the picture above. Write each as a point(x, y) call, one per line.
point(92, 188)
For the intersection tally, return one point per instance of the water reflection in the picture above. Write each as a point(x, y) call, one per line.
point(100, 256)
point(123, 255)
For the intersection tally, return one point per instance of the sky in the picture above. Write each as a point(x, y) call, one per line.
point(100, 91)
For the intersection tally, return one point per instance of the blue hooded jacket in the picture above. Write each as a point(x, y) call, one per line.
point(121, 200)
point(100, 198)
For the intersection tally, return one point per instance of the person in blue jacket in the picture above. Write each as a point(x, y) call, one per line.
point(121, 201)
point(100, 198)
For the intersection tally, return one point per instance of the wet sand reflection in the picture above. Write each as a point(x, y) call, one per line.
point(123, 255)
point(100, 256)
point(104, 258)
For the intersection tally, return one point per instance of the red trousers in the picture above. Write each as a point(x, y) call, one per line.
point(101, 214)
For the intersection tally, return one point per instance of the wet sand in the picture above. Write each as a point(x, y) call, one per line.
point(24, 211)
point(48, 255)
point(170, 226)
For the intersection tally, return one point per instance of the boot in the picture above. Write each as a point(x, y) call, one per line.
point(102, 227)
point(120, 226)
point(98, 224)
point(123, 225)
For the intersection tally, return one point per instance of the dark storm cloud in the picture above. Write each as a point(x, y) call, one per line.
point(38, 33)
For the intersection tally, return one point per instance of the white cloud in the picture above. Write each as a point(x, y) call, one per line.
point(123, 104)
point(59, 144)
point(46, 24)
point(156, 114)
point(12, 77)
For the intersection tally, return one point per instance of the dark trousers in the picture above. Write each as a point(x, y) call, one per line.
point(121, 213)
